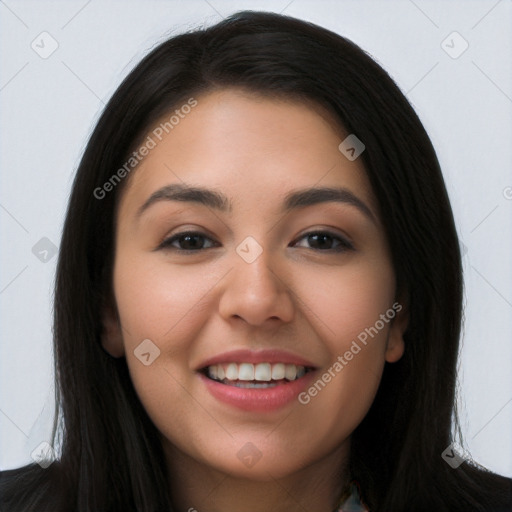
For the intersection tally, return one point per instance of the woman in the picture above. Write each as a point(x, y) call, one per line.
point(305, 357)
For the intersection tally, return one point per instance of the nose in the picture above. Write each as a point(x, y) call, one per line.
point(256, 293)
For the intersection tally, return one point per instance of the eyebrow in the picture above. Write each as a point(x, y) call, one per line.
point(188, 193)
point(217, 201)
point(310, 196)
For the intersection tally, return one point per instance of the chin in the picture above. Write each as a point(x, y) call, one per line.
point(263, 470)
point(256, 460)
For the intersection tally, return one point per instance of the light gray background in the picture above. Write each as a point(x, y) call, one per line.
point(49, 106)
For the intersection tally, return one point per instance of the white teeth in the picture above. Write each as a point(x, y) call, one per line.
point(232, 371)
point(213, 371)
point(290, 372)
point(246, 371)
point(278, 371)
point(261, 372)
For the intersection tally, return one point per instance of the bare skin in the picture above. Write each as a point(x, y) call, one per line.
point(310, 299)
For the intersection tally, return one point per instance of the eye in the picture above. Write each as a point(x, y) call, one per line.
point(326, 241)
point(187, 241)
point(193, 241)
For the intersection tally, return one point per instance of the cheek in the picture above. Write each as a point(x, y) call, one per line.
point(160, 302)
point(346, 302)
point(340, 397)
point(348, 309)
point(168, 305)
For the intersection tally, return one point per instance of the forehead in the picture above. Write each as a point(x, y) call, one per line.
point(253, 148)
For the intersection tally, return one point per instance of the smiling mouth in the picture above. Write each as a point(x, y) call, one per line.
point(255, 376)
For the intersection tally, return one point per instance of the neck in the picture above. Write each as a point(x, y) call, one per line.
point(196, 487)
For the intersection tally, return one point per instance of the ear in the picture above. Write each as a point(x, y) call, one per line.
point(111, 333)
point(395, 345)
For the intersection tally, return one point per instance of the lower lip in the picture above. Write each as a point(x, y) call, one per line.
point(258, 400)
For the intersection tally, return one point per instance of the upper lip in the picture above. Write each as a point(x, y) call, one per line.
point(255, 357)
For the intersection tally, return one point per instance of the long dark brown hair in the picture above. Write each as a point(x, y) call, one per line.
point(111, 457)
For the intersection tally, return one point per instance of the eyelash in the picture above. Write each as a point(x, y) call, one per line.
point(343, 245)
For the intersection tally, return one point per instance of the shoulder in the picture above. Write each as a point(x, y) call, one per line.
point(32, 488)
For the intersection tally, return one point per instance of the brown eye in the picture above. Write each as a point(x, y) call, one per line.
point(186, 241)
point(326, 241)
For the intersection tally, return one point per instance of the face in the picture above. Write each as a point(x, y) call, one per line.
point(268, 310)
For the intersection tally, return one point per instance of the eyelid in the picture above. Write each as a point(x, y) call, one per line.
point(166, 242)
point(345, 241)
